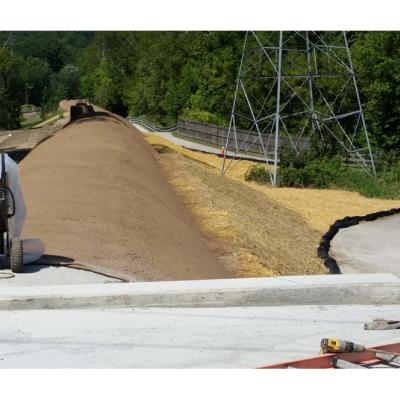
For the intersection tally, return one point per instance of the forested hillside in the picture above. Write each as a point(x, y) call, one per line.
point(38, 68)
point(165, 75)
point(162, 74)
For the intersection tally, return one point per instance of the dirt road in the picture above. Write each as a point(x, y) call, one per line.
point(95, 193)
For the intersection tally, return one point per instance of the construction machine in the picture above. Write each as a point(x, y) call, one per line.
point(11, 250)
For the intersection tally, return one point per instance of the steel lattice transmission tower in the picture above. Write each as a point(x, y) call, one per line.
point(297, 91)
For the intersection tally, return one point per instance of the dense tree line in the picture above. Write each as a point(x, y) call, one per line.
point(38, 68)
point(165, 75)
point(162, 74)
point(11, 91)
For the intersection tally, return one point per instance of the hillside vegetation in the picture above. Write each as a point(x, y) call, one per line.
point(167, 75)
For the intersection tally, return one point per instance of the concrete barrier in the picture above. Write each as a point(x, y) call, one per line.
point(279, 291)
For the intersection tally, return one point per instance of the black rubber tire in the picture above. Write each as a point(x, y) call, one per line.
point(16, 255)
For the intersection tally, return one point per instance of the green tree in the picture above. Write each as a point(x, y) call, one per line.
point(106, 64)
point(56, 48)
point(376, 57)
point(68, 83)
point(11, 91)
point(36, 75)
point(178, 71)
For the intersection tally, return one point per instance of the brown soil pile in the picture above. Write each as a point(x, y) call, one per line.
point(95, 193)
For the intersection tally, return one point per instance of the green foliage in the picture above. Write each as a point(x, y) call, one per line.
point(162, 73)
point(167, 75)
point(376, 57)
point(56, 48)
point(332, 172)
point(257, 173)
point(68, 83)
point(27, 123)
point(312, 170)
point(11, 91)
point(36, 74)
point(203, 116)
point(307, 170)
point(385, 185)
point(45, 63)
point(105, 66)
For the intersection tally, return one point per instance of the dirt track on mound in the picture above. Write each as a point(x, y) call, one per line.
point(94, 192)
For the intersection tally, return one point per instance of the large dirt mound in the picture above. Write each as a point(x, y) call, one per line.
point(94, 192)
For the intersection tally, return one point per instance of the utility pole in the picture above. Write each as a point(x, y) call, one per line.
point(294, 89)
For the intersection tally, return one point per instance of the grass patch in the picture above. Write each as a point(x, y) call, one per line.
point(30, 122)
point(257, 173)
point(332, 173)
point(386, 185)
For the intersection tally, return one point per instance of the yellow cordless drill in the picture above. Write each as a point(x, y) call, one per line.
point(329, 345)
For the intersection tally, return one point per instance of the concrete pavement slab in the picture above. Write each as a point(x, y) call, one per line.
point(233, 337)
point(44, 275)
point(369, 247)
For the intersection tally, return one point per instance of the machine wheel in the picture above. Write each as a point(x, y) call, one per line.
point(16, 255)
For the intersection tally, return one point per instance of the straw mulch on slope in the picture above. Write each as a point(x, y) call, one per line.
point(253, 235)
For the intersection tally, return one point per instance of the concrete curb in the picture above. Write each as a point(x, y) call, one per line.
point(299, 290)
point(346, 222)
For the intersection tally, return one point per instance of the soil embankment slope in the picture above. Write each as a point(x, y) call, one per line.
point(95, 193)
point(253, 235)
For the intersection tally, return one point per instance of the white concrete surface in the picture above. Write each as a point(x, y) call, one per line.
point(199, 146)
point(369, 247)
point(36, 275)
point(299, 290)
point(181, 338)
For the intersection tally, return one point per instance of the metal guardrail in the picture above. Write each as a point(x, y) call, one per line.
point(215, 135)
point(153, 127)
point(247, 140)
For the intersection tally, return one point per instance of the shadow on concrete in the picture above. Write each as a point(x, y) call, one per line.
point(48, 260)
point(51, 260)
